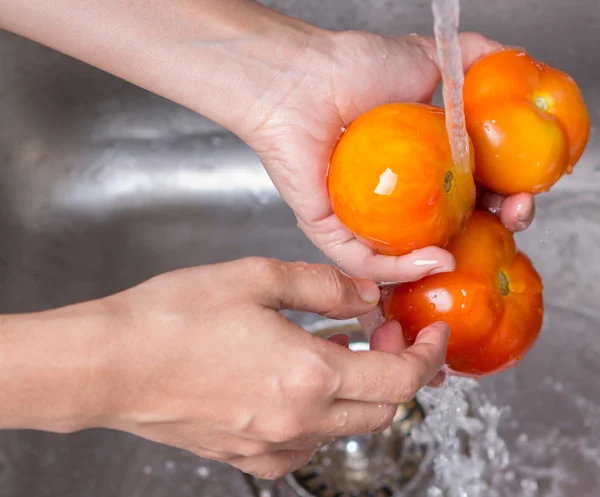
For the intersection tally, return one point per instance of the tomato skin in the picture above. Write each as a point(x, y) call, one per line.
point(528, 122)
point(393, 183)
point(492, 302)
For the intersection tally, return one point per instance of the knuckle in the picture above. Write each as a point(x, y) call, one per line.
point(335, 283)
point(408, 387)
point(381, 422)
point(312, 378)
point(285, 429)
point(263, 267)
point(272, 473)
point(253, 449)
point(265, 273)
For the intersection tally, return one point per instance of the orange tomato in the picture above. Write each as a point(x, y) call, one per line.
point(393, 183)
point(492, 301)
point(528, 122)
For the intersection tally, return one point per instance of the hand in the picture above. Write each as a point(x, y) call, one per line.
point(324, 90)
point(201, 359)
point(285, 87)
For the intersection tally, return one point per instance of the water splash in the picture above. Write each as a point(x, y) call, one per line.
point(471, 459)
point(445, 26)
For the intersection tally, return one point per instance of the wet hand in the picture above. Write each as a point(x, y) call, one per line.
point(337, 77)
point(201, 359)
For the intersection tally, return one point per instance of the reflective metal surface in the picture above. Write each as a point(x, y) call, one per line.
point(103, 185)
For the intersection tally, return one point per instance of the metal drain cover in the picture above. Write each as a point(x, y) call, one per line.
point(380, 465)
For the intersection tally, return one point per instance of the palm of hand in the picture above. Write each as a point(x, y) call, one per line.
point(295, 142)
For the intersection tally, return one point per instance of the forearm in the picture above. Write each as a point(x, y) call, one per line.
point(52, 369)
point(216, 57)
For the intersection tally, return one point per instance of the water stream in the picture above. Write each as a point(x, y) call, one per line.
point(471, 460)
point(445, 26)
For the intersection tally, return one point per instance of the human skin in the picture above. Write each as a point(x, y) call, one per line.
point(160, 360)
point(201, 359)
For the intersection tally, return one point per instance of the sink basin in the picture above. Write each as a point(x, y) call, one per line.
point(103, 185)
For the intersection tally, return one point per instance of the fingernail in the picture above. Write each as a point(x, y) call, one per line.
point(524, 210)
point(368, 291)
point(442, 268)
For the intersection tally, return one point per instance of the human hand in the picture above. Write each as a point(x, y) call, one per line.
point(338, 77)
point(201, 359)
point(285, 87)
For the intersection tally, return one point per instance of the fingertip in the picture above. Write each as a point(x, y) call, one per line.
point(340, 339)
point(475, 45)
point(518, 211)
point(525, 209)
point(367, 290)
point(388, 338)
point(515, 211)
point(436, 333)
point(421, 263)
point(438, 380)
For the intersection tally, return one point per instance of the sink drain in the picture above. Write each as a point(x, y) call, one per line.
point(386, 464)
point(380, 465)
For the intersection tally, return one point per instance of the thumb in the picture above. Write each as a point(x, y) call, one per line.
point(473, 46)
point(317, 288)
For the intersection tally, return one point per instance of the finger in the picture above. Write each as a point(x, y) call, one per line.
point(388, 338)
point(346, 418)
point(355, 258)
point(340, 339)
point(473, 46)
point(274, 465)
point(438, 380)
point(516, 212)
point(317, 288)
point(385, 378)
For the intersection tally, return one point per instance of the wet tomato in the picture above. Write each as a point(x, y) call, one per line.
point(393, 183)
point(492, 301)
point(528, 122)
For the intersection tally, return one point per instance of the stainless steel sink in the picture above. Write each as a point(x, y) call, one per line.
point(103, 185)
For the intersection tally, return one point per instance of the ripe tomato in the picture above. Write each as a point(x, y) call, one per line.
point(492, 301)
point(527, 120)
point(393, 183)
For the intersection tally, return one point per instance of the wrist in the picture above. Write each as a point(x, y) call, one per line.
point(53, 369)
point(251, 58)
point(228, 60)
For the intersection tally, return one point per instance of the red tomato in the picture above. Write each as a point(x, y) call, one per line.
point(492, 301)
point(393, 183)
point(528, 122)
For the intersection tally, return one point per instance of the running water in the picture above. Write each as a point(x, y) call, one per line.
point(445, 14)
point(445, 26)
point(471, 459)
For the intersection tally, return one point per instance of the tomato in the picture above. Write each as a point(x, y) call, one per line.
point(528, 122)
point(393, 183)
point(492, 301)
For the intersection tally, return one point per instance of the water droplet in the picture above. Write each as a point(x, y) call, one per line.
point(202, 472)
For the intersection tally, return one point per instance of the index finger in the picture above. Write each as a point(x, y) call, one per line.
point(385, 378)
